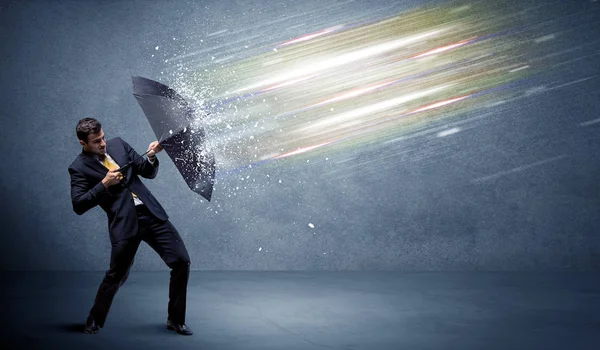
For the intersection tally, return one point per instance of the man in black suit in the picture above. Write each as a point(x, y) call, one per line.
point(133, 215)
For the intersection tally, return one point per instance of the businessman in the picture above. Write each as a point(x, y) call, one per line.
point(134, 215)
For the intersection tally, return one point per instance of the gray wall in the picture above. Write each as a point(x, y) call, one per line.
point(518, 191)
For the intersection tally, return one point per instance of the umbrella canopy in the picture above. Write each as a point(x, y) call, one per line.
point(172, 120)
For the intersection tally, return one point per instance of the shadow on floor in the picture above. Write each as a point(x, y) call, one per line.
point(70, 327)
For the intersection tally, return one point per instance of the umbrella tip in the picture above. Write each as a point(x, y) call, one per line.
point(136, 79)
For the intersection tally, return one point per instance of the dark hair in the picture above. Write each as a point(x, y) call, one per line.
point(87, 126)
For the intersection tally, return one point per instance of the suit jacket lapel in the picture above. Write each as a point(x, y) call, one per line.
point(117, 154)
point(91, 161)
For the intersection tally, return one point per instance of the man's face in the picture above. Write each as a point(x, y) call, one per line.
point(95, 144)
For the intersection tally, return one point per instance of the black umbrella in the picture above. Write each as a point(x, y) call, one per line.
point(180, 135)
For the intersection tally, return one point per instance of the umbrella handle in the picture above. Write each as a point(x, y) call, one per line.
point(131, 162)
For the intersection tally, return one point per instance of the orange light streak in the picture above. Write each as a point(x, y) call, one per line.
point(438, 104)
point(301, 150)
point(351, 93)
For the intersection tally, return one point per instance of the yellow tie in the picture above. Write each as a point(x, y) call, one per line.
point(113, 166)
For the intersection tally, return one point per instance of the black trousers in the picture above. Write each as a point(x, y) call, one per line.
point(166, 241)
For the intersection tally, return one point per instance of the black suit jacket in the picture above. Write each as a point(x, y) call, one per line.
point(87, 189)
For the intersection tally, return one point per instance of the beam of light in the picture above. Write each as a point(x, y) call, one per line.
point(444, 48)
point(301, 150)
point(519, 68)
point(352, 93)
point(354, 114)
point(371, 128)
point(311, 36)
point(451, 131)
point(368, 127)
point(362, 91)
point(360, 133)
point(344, 59)
point(366, 80)
point(417, 110)
point(439, 104)
point(286, 83)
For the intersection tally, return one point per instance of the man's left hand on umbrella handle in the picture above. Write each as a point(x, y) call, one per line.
point(153, 149)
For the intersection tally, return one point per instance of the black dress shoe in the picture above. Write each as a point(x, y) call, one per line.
point(90, 326)
point(179, 328)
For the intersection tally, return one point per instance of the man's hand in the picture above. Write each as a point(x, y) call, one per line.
point(154, 148)
point(112, 178)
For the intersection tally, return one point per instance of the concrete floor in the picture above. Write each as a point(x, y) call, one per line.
point(311, 310)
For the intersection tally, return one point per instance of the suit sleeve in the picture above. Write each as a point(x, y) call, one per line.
point(141, 165)
point(83, 196)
